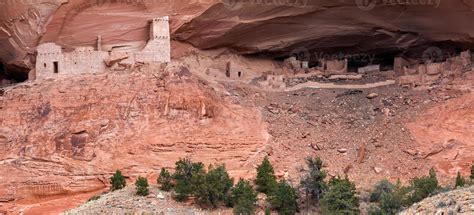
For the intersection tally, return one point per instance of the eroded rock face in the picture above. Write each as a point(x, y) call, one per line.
point(298, 27)
point(330, 26)
point(25, 24)
point(444, 135)
point(67, 136)
point(21, 25)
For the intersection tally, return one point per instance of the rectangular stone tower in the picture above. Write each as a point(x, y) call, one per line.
point(160, 28)
point(158, 48)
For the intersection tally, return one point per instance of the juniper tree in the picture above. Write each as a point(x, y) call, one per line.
point(340, 198)
point(472, 173)
point(141, 186)
point(244, 198)
point(184, 171)
point(165, 180)
point(423, 187)
point(382, 187)
point(284, 199)
point(117, 181)
point(459, 181)
point(313, 182)
point(388, 196)
point(266, 179)
point(213, 187)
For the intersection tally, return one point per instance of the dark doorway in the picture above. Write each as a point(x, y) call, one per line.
point(56, 67)
point(239, 74)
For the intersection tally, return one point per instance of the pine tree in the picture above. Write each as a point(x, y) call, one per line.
point(423, 187)
point(117, 181)
point(141, 186)
point(313, 182)
point(382, 187)
point(212, 188)
point(184, 171)
point(165, 180)
point(244, 198)
point(284, 199)
point(388, 196)
point(340, 198)
point(472, 173)
point(266, 179)
point(459, 181)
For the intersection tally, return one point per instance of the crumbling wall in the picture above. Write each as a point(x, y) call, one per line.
point(369, 69)
point(276, 81)
point(334, 67)
point(398, 65)
point(52, 62)
point(431, 73)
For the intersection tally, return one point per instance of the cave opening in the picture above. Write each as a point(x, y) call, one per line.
point(11, 75)
point(384, 59)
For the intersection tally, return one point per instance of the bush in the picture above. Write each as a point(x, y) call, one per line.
point(267, 211)
point(391, 202)
point(423, 187)
point(117, 181)
point(388, 196)
point(375, 210)
point(93, 198)
point(266, 179)
point(212, 188)
point(284, 199)
point(184, 171)
point(165, 180)
point(472, 173)
point(313, 182)
point(459, 181)
point(244, 198)
point(141, 185)
point(382, 187)
point(340, 198)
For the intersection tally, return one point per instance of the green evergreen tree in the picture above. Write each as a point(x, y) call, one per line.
point(391, 202)
point(382, 187)
point(244, 198)
point(388, 196)
point(266, 179)
point(423, 187)
point(340, 198)
point(472, 173)
point(165, 180)
point(460, 182)
point(284, 199)
point(268, 211)
point(117, 181)
point(141, 185)
point(212, 188)
point(313, 182)
point(184, 171)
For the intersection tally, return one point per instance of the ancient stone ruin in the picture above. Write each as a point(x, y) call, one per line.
point(368, 69)
point(428, 73)
point(51, 61)
point(333, 67)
